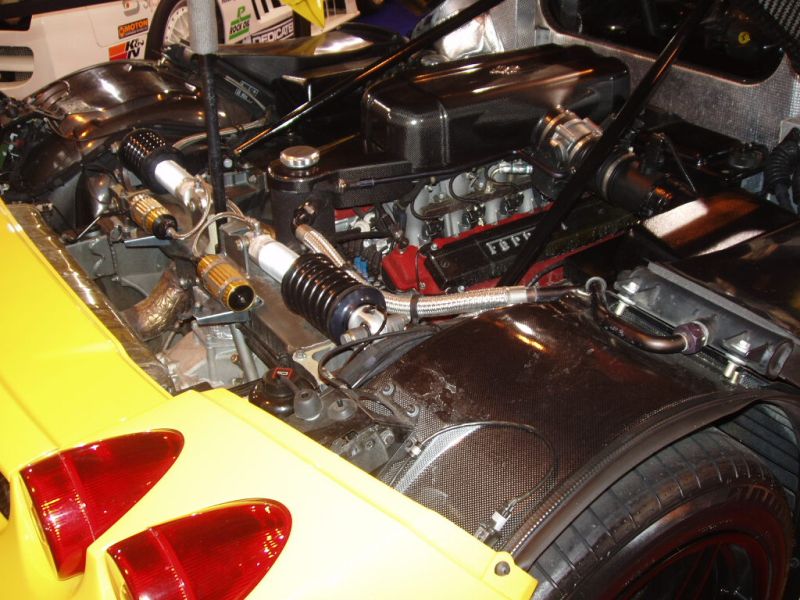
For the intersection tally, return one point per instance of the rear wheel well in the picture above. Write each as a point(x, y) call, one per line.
point(729, 478)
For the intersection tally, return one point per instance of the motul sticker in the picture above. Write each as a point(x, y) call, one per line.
point(280, 31)
point(240, 25)
point(126, 50)
point(131, 29)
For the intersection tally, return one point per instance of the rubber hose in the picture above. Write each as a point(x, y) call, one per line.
point(780, 168)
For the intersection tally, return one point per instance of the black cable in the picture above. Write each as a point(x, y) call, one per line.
point(546, 271)
point(416, 215)
point(664, 139)
point(334, 381)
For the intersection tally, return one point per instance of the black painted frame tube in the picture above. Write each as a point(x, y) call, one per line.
point(377, 68)
point(600, 151)
point(212, 128)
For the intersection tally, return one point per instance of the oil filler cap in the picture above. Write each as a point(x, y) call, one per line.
point(300, 157)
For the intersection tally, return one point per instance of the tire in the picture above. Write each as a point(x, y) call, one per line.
point(170, 25)
point(704, 515)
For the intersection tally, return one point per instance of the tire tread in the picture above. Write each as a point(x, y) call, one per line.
point(705, 460)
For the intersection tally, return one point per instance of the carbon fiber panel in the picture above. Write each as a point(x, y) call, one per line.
point(547, 368)
point(744, 111)
point(497, 454)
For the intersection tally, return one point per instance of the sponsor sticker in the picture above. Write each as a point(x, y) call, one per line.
point(281, 31)
point(240, 26)
point(134, 28)
point(126, 50)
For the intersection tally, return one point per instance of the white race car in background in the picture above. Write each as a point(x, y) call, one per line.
point(35, 50)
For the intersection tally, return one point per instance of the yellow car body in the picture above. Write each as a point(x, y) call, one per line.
point(66, 380)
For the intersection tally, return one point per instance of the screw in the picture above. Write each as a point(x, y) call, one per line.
point(434, 246)
point(299, 355)
point(239, 245)
point(388, 389)
point(227, 163)
point(502, 568)
point(235, 358)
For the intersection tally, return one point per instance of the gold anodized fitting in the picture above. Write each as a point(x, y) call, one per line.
point(223, 280)
point(145, 211)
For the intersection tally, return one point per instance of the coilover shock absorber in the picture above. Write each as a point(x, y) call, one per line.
point(326, 295)
point(312, 286)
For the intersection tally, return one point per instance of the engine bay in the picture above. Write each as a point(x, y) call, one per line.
point(348, 279)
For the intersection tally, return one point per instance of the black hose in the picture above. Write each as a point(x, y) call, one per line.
point(781, 170)
point(658, 344)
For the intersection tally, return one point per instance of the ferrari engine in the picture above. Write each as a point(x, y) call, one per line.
point(335, 280)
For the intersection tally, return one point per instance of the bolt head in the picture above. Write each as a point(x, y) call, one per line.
point(502, 568)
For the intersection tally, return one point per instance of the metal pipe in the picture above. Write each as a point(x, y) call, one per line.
point(658, 344)
point(377, 68)
point(432, 306)
point(160, 311)
point(190, 140)
point(600, 151)
point(245, 356)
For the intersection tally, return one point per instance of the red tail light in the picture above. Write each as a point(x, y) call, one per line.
point(79, 493)
point(219, 554)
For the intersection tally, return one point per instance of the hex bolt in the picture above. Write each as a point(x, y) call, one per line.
point(742, 346)
point(631, 287)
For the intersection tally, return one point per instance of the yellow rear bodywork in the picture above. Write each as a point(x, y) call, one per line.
point(66, 380)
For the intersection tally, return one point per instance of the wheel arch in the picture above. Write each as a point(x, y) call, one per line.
point(654, 432)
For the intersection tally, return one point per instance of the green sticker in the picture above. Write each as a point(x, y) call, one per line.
point(240, 25)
